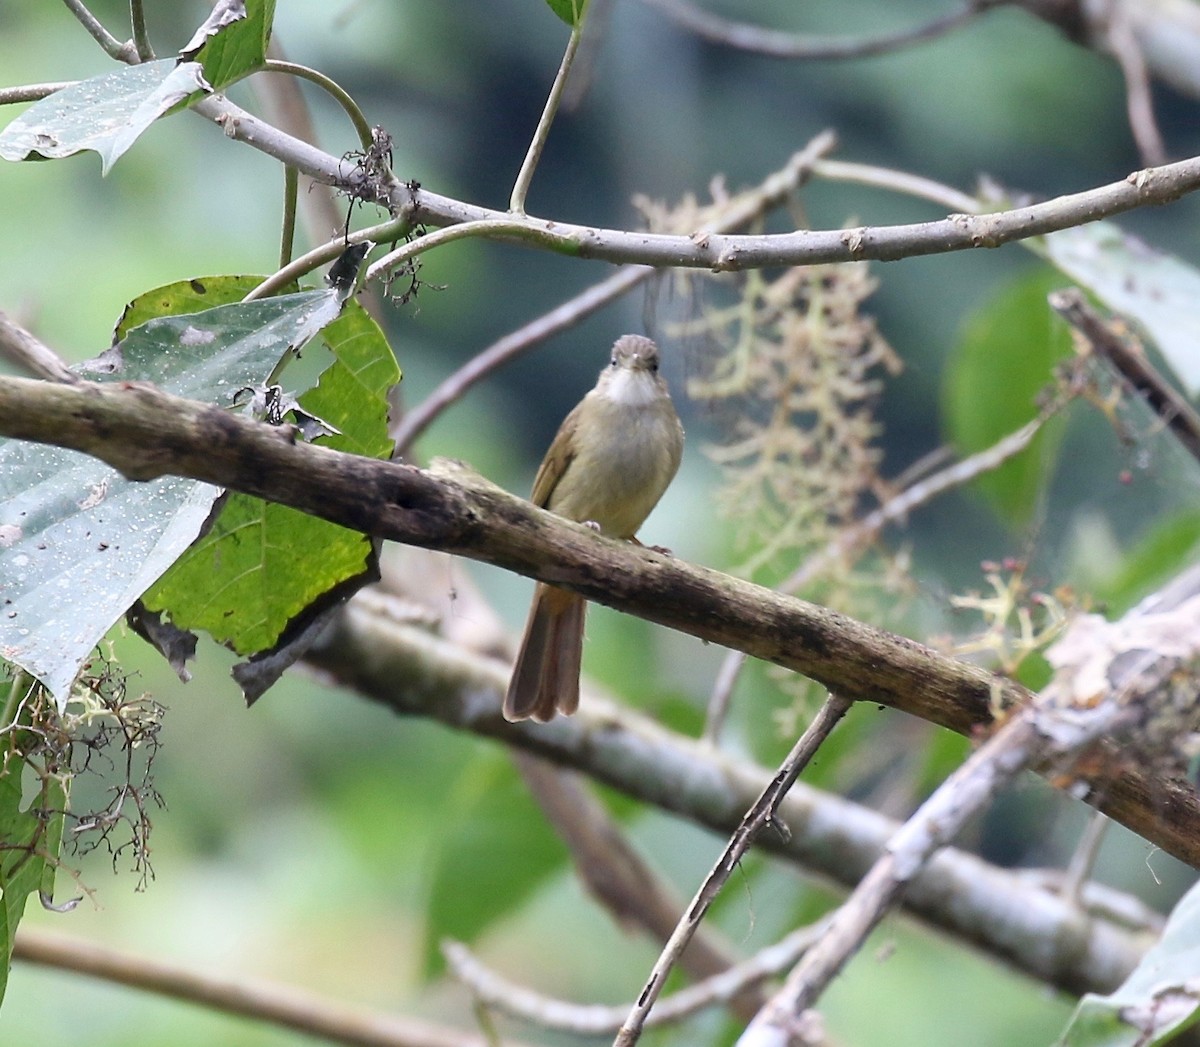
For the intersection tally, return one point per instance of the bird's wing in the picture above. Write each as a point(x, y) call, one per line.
point(557, 460)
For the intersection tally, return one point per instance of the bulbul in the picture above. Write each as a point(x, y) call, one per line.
point(609, 464)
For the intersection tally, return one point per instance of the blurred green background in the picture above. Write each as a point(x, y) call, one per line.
point(320, 841)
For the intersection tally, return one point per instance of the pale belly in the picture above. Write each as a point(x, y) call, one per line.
point(624, 475)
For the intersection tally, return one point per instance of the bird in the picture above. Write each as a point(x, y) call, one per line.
point(610, 462)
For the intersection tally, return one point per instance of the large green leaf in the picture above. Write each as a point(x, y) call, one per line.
point(78, 542)
point(1157, 1001)
point(261, 564)
point(1004, 360)
point(232, 42)
point(106, 114)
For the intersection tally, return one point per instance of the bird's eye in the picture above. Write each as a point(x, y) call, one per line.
point(653, 365)
point(613, 361)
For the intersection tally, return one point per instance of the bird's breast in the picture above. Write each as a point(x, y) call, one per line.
point(626, 455)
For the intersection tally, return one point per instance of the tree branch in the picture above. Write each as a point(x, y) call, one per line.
point(260, 1000)
point(1131, 681)
point(737, 212)
point(596, 1020)
point(145, 433)
point(761, 814)
point(776, 43)
point(721, 252)
point(414, 673)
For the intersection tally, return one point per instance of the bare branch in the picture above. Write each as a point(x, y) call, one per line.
point(332, 88)
point(613, 871)
point(21, 348)
point(1040, 933)
point(1139, 103)
point(761, 814)
point(774, 43)
point(1167, 33)
point(593, 1020)
point(141, 38)
point(852, 540)
point(511, 346)
point(722, 252)
point(897, 182)
point(516, 203)
point(263, 1001)
point(122, 52)
point(286, 106)
point(1128, 680)
point(145, 433)
point(1128, 359)
point(741, 210)
point(938, 821)
point(32, 92)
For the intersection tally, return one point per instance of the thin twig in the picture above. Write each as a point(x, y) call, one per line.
point(516, 203)
point(1125, 47)
point(331, 87)
point(122, 52)
point(596, 1020)
point(897, 182)
point(613, 870)
point(722, 694)
point(1113, 680)
point(1126, 357)
point(326, 252)
point(22, 348)
point(263, 1001)
point(141, 38)
point(1030, 737)
point(900, 505)
point(1083, 860)
point(484, 227)
point(741, 210)
point(32, 92)
point(287, 107)
point(511, 346)
point(857, 536)
point(760, 814)
point(731, 253)
point(287, 235)
point(773, 43)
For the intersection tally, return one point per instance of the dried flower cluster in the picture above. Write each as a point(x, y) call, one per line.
point(104, 733)
point(794, 365)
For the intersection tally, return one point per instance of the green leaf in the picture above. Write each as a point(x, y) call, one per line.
point(570, 11)
point(1158, 1000)
point(261, 564)
point(1171, 545)
point(491, 856)
point(185, 296)
point(1003, 362)
point(79, 543)
point(232, 42)
point(106, 114)
point(30, 837)
point(1159, 291)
